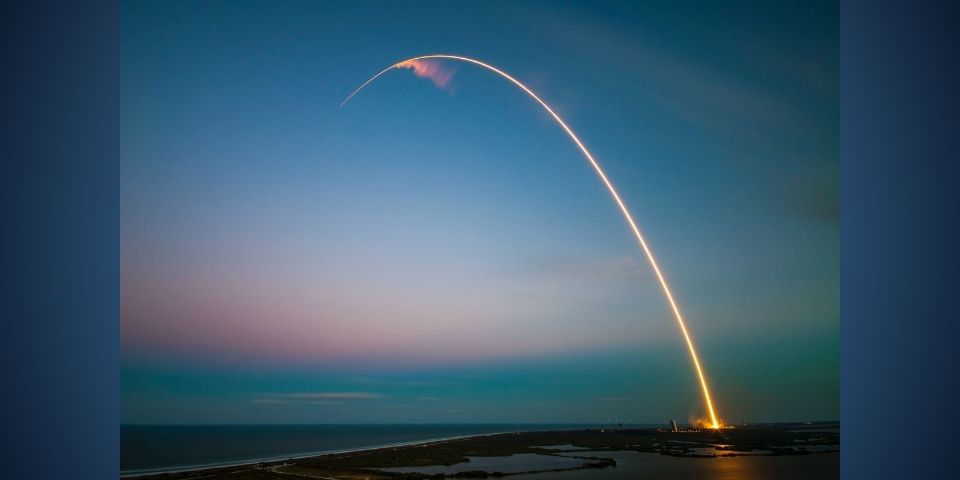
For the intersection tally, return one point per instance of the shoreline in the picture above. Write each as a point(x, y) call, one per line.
point(300, 456)
point(445, 449)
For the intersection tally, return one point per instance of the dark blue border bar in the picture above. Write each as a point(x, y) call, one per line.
point(59, 344)
point(900, 206)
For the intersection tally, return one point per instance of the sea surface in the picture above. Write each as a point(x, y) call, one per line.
point(152, 448)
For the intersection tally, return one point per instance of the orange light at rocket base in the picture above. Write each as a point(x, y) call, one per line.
point(412, 63)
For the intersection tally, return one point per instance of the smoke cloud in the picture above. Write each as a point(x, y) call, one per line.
point(440, 76)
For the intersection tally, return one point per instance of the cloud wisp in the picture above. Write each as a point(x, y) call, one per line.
point(602, 268)
point(313, 397)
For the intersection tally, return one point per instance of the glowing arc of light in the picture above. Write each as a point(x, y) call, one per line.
point(613, 192)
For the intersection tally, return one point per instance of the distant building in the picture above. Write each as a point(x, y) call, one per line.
point(673, 426)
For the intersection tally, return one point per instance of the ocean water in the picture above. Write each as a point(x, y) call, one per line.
point(153, 448)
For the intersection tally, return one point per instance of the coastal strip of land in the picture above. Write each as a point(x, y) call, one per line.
point(154, 472)
point(426, 459)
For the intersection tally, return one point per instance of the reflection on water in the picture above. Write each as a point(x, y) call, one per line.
point(633, 465)
point(521, 462)
point(718, 452)
point(567, 446)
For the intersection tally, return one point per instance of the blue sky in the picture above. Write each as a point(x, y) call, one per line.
point(428, 254)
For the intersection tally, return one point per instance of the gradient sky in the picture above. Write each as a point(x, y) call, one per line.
point(443, 253)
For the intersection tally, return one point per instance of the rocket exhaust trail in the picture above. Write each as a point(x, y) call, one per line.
point(613, 193)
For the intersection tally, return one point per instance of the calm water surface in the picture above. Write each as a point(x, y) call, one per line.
point(521, 462)
point(634, 465)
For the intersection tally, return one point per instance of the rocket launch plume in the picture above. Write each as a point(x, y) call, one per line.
point(416, 64)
